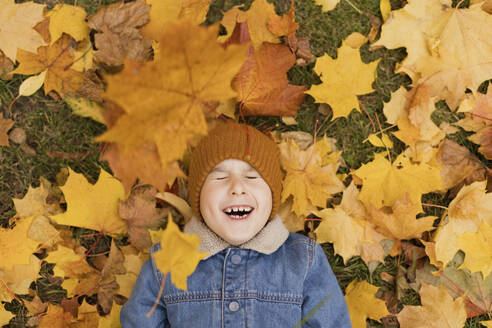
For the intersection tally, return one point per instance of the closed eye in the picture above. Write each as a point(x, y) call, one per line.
point(252, 177)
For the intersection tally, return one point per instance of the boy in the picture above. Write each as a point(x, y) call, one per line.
point(257, 274)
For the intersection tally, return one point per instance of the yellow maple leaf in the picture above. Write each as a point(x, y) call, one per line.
point(5, 315)
point(472, 203)
point(21, 276)
point(438, 310)
point(68, 263)
point(258, 19)
point(342, 80)
point(467, 211)
point(163, 98)
point(413, 22)
point(363, 304)
point(307, 180)
point(16, 23)
point(56, 61)
point(462, 56)
point(327, 5)
point(15, 244)
point(401, 222)
point(113, 319)
point(344, 231)
point(487, 324)
point(68, 19)
point(478, 249)
point(34, 201)
point(346, 226)
point(92, 206)
point(398, 178)
point(178, 255)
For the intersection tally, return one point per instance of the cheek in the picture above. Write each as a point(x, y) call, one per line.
point(209, 196)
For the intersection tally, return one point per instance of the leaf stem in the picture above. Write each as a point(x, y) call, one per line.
point(353, 6)
point(161, 290)
point(434, 205)
point(94, 245)
point(361, 105)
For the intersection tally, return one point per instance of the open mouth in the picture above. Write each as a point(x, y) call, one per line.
point(240, 213)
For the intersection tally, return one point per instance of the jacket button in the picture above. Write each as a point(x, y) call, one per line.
point(234, 306)
point(236, 259)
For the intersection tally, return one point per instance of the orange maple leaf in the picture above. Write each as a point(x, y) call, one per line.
point(262, 84)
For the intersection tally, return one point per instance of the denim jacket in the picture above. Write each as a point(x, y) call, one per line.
point(276, 279)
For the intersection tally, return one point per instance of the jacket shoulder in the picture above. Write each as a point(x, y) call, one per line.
point(298, 239)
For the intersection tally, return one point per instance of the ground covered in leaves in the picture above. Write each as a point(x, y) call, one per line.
point(383, 106)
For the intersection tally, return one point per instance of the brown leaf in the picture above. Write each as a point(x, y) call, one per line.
point(43, 29)
point(113, 48)
point(5, 125)
point(484, 138)
point(71, 306)
point(120, 37)
point(36, 306)
point(6, 66)
point(262, 84)
point(91, 88)
point(141, 214)
point(458, 164)
point(108, 285)
point(120, 16)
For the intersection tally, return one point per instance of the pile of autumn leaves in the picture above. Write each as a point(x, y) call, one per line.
point(167, 81)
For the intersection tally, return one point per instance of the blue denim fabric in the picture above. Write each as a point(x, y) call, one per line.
point(239, 287)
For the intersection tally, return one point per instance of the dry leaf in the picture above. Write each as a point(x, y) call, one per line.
point(17, 21)
point(307, 179)
point(120, 37)
point(262, 84)
point(141, 214)
point(173, 115)
point(257, 18)
point(92, 206)
point(362, 304)
point(16, 244)
point(178, 254)
point(164, 11)
point(401, 222)
point(56, 61)
point(457, 164)
point(68, 19)
point(399, 177)
point(349, 82)
point(438, 310)
point(5, 126)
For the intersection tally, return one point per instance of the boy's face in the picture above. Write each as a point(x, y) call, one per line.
point(235, 184)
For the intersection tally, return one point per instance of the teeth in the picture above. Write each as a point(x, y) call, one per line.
point(230, 210)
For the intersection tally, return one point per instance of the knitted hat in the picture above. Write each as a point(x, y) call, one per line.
point(235, 141)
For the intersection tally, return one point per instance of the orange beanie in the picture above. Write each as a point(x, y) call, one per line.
point(235, 141)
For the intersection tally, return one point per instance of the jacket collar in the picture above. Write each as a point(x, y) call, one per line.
point(267, 241)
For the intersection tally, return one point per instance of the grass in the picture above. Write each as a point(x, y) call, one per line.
point(56, 138)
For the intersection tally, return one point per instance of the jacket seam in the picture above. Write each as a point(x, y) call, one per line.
point(294, 300)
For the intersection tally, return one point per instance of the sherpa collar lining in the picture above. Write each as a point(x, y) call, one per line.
point(267, 241)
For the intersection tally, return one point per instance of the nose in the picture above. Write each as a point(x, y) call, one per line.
point(237, 186)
